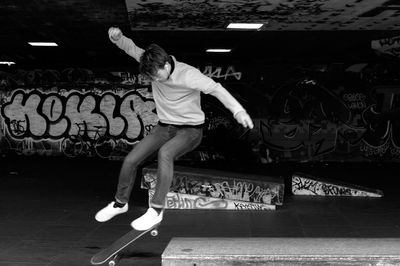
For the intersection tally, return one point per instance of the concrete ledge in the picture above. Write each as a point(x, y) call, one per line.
point(282, 251)
point(193, 202)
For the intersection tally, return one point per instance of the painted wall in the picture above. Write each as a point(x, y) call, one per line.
point(302, 112)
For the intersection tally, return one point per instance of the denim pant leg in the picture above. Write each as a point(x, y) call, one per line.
point(143, 150)
point(185, 140)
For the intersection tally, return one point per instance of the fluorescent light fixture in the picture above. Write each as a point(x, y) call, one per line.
point(245, 26)
point(218, 50)
point(9, 63)
point(43, 43)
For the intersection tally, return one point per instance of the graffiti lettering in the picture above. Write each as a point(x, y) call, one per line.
point(305, 186)
point(390, 41)
point(355, 101)
point(374, 151)
point(249, 206)
point(314, 139)
point(352, 97)
point(52, 116)
point(130, 78)
point(383, 129)
point(211, 72)
point(176, 201)
point(390, 46)
point(186, 201)
point(233, 190)
point(319, 188)
point(307, 119)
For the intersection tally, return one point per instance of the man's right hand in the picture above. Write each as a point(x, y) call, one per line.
point(114, 33)
point(244, 119)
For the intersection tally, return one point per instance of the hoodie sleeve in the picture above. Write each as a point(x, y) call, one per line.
point(129, 47)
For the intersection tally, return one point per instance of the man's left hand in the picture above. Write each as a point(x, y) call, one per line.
point(244, 119)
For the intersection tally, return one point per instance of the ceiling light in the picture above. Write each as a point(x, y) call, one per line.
point(218, 50)
point(246, 26)
point(43, 43)
point(9, 63)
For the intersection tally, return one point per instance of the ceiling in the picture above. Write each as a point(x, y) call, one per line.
point(293, 29)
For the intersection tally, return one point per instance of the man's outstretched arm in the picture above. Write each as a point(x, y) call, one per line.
point(241, 116)
point(195, 79)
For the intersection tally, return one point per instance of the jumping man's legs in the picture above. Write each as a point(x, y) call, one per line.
point(185, 140)
point(143, 150)
point(149, 145)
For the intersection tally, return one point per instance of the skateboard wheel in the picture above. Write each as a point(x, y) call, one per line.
point(114, 260)
point(154, 232)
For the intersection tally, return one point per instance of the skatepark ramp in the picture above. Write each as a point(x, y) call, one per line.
point(196, 188)
point(282, 251)
point(309, 185)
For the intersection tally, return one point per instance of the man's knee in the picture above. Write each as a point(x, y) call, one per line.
point(132, 161)
point(165, 154)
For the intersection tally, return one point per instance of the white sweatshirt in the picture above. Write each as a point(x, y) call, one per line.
point(178, 99)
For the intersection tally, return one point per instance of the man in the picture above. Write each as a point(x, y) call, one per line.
point(176, 90)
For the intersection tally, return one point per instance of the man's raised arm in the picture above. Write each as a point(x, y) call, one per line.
point(124, 43)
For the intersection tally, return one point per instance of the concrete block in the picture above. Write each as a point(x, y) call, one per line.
point(282, 251)
point(221, 184)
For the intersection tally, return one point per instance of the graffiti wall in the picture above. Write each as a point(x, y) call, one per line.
point(302, 112)
point(316, 119)
point(81, 119)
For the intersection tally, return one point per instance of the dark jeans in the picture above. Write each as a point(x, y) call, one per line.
point(171, 142)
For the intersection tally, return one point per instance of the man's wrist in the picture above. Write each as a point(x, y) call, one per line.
point(237, 112)
point(115, 40)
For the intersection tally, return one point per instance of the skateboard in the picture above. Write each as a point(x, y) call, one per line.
point(111, 253)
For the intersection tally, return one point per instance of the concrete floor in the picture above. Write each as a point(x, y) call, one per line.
point(47, 208)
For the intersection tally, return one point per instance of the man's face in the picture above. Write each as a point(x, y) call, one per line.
point(162, 73)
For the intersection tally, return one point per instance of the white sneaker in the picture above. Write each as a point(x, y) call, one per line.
point(109, 212)
point(147, 220)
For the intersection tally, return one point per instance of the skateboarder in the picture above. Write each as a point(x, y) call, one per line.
point(176, 90)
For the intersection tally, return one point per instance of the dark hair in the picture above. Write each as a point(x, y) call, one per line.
point(153, 58)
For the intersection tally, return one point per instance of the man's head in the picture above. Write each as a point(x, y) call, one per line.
point(155, 63)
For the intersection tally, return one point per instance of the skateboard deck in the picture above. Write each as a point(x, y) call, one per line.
point(111, 253)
